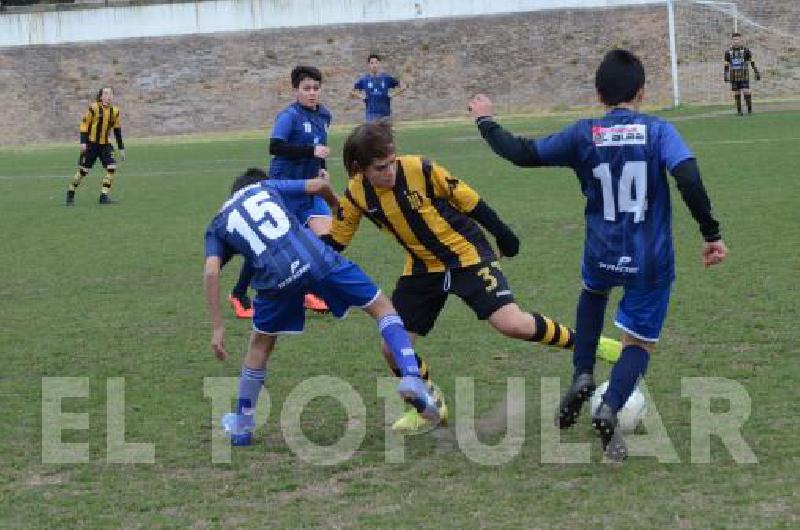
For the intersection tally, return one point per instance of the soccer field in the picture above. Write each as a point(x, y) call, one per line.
point(115, 292)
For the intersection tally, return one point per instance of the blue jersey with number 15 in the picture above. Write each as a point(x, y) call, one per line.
point(621, 161)
point(255, 223)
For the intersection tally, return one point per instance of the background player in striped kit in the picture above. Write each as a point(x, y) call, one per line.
point(100, 118)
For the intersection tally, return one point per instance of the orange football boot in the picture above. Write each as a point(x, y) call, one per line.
point(315, 304)
point(241, 306)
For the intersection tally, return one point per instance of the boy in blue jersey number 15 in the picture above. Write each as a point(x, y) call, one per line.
point(298, 145)
point(288, 261)
point(621, 162)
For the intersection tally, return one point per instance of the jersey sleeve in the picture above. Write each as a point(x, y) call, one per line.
point(728, 56)
point(86, 121)
point(455, 190)
point(346, 220)
point(116, 124)
point(359, 84)
point(283, 126)
point(558, 149)
point(393, 82)
point(672, 148)
point(216, 246)
point(748, 55)
point(287, 188)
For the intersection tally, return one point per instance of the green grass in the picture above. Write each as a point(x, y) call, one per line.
point(116, 292)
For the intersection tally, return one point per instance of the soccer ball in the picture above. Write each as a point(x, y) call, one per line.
point(631, 414)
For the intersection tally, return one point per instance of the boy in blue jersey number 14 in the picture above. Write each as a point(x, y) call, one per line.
point(288, 261)
point(621, 162)
point(298, 145)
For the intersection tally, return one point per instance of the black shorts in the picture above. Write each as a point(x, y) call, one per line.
point(105, 152)
point(419, 298)
point(740, 85)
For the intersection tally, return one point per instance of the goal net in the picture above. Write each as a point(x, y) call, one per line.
point(768, 27)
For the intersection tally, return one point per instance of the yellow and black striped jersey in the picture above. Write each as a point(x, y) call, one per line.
point(737, 62)
point(426, 212)
point(98, 122)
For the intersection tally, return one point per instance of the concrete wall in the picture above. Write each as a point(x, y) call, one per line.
point(532, 61)
point(170, 19)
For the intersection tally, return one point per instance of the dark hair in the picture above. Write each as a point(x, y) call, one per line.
point(619, 77)
point(366, 143)
point(251, 176)
point(305, 72)
point(100, 92)
point(736, 34)
point(374, 56)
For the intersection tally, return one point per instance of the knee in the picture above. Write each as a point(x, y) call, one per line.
point(630, 340)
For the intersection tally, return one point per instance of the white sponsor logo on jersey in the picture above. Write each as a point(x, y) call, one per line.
point(616, 135)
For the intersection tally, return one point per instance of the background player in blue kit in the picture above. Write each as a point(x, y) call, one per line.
point(288, 260)
point(377, 89)
point(298, 145)
point(621, 162)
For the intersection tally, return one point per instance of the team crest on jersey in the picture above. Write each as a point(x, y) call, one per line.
point(414, 198)
point(631, 134)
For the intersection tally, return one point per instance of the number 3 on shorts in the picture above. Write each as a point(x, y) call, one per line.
point(488, 277)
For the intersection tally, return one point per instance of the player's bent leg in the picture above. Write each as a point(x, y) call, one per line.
point(240, 302)
point(105, 187)
point(412, 387)
point(748, 99)
point(320, 222)
point(412, 422)
point(73, 185)
point(512, 322)
point(240, 424)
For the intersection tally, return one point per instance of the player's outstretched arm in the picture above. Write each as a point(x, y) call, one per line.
point(517, 150)
point(211, 284)
point(507, 240)
point(693, 193)
point(322, 186)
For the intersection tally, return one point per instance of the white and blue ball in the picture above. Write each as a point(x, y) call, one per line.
point(631, 414)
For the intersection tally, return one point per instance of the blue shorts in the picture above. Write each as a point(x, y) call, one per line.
point(304, 208)
point(641, 311)
point(345, 287)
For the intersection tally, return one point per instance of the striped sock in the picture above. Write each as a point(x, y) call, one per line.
point(548, 331)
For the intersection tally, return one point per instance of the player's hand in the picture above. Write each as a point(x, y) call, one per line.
point(321, 151)
point(83, 148)
point(480, 106)
point(122, 155)
point(508, 244)
point(714, 253)
point(218, 343)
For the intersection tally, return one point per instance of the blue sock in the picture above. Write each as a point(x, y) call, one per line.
point(631, 365)
point(396, 338)
point(588, 326)
point(245, 276)
point(250, 383)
